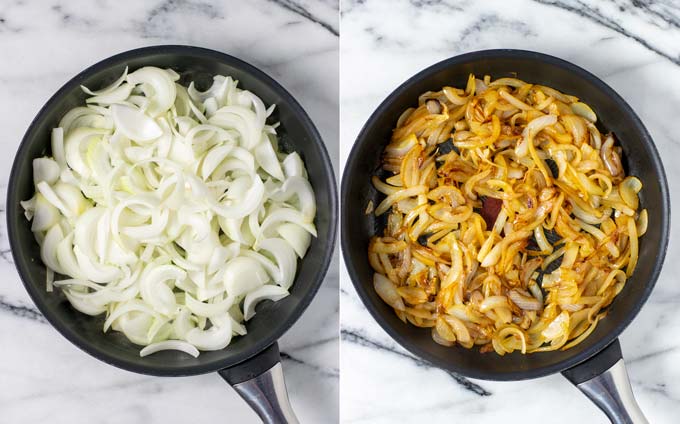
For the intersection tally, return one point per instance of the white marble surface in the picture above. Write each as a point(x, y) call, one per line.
point(43, 378)
point(632, 46)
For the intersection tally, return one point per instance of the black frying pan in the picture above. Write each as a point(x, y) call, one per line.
point(595, 365)
point(250, 363)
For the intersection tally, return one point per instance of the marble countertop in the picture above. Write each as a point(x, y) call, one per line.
point(43, 377)
point(633, 46)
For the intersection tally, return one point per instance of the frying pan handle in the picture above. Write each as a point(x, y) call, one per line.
point(603, 378)
point(259, 381)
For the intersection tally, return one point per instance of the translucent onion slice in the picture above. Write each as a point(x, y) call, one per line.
point(301, 189)
point(531, 130)
point(285, 258)
point(266, 158)
point(388, 291)
point(29, 207)
point(237, 327)
point(75, 146)
point(94, 271)
point(214, 338)
point(558, 327)
point(45, 215)
point(241, 119)
point(117, 95)
point(214, 158)
point(642, 222)
point(296, 236)
point(286, 215)
point(163, 91)
point(137, 327)
point(629, 189)
point(584, 110)
point(86, 229)
point(180, 345)
point(72, 198)
point(266, 292)
point(67, 259)
point(58, 147)
point(108, 88)
point(48, 249)
point(250, 202)
point(183, 323)
point(243, 275)
point(134, 305)
point(134, 123)
point(293, 166)
point(208, 309)
point(85, 306)
point(156, 292)
point(45, 169)
point(72, 116)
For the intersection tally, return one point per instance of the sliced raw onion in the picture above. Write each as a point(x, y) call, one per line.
point(180, 345)
point(171, 210)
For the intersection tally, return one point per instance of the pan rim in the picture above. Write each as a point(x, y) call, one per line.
point(324, 260)
point(573, 360)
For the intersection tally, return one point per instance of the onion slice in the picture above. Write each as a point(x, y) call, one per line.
point(180, 345)
point(134, 123)
point(270, 292)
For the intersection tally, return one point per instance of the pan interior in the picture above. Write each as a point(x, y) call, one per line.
point(640, 159)
point(273, 318)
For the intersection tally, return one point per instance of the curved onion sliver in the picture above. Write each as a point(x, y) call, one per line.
point(48, 250)
point(287, 215)
point(156, 292)
point(45, 169)
point(74, 145)
point(293, 166)
point(270, 292)
point(266, 158)
point(243, 275)
point(117, 95)
point(85, 306)
point(108, 88)
point(45, 215)
point(214, 338)
point(296, 236)
point(285, 258)
point(208, 309)
point(163, 86)
point(183, 346)
point(135, 124)
point(246, 206)
point(301, 188)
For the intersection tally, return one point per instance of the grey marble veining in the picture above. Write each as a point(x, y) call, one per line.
point(355, 336)
point(633, 46)
point(42, 45)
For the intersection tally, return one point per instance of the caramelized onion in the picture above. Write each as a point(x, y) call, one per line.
point(510, 222)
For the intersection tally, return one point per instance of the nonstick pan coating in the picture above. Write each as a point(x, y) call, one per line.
point(640, 159)
point(297, 133)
